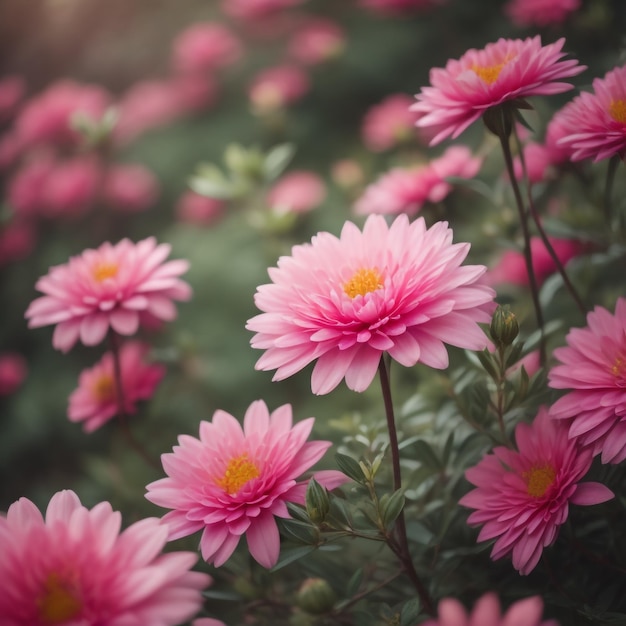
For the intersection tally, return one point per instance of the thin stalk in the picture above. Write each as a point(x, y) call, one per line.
point(401, 546)
point(607, 204)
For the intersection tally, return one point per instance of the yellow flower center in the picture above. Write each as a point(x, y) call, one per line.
point(104, 388)
point(617, 110)
point(539, 480)
point(238, 472)
point(490, 73)
point(59, 601)
point(102, 271)
point(618, 366)
point(362, 282)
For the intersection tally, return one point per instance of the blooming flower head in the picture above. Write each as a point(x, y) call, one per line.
point(12, 90)
point(13, 370)
point(110, 287)
point(277, 87)
point(316, 41)
point(523, 497)
point(538, 160)
point(96, 401)
point(592, 367)
point(196, 209)
point(235, 481)
point(540, 12)
point(345, 300)
point(503, 72)
point(75, 568)
point(487, 612)
point(596, 122)
point(297, 192)
point(130, 187)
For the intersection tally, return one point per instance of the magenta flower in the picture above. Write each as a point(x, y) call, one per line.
point(593, 369)
point(130, 188)
point(487, 612)
point(298, 191)
point(111, 287)
point(95, 401)
point(503, 72)
point(316, 40)
point(540, 12)
point(254, 9)
point(596, 122)
point(344, 301)
point(235, 481)
point(277, 87)
point(523, 497)
point(75, 568)
point(13, 371)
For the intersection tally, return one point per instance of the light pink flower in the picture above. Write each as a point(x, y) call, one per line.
point(397, 7)
point(523, 497)
point(96, 401)
point(347, 173)
point(503, 72)
point(13, 371)
point(12, 89)
point(235, 481)
point(558, 127)
point(253, 9)
point(17, 240)
point(343, 301)
point(112, 286)
point(530, 362)
point(592, 367)
point(196, 209)
point(538, 161)
point(596, 122)
point(298, 191)
point(207, 621)
point(25, 188)
point(277, 87)
point(540, 12)
point(406, 190)
point(487, 612)
point(10, 149)
point(389, 123)
point(75, 568)
point(130, 187)
point(205, 47)
point(316, 41)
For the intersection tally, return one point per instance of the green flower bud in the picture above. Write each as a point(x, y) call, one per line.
point(504, 327)
point(316, 596)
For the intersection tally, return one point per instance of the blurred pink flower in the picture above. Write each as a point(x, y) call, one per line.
point(196, 209)
point(96, 401)
point(207, 621)
point(540, 12)
point(277, 87)
point(400, 6)
point(538, 161)
point(347, 173)
point(25, 187)
point(345, 301)
point(531, 363)
point(10, 149)
point(12, 89)
point(253, 9)
point(503, 72)
point(557, 129)
point(47, 117)
point(523, 497)
point(298, 191)
point(13, 371)
point(130, 187)
point(595, 122)
point(112, 286)
point(406, 190)
point(17, 240)
point(235, 481)
point(205, 47)
point(389, 123)
point(316, 41)
point(592, 368)
point(75, 567)
point(487, 612)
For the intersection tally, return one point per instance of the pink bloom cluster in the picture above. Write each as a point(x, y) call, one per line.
point(522, 497)
point(298, 191)
point(196, 209)
point(75, 567)
point(592, 369)
point(276, 87)
point(114, 286)
point(540, 12)
point(234, 481)
point(253, 9)
point(315, 41)
point(345, 300)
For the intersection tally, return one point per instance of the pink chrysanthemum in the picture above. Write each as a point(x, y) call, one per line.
point(75, 568)
point(235, 481)
point(593, 368)
point(113, 286)
point(540, 12)
point(523, 497)
point(389, 123)
point(95, 401)
point(344, 301)
point(504, 71)
point(596, 122)
point(487, 612)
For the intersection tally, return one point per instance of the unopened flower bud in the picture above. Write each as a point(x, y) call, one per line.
point(315, 596)
point(504, 327)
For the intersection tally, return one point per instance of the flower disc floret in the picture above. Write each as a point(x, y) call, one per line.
point(344, 301)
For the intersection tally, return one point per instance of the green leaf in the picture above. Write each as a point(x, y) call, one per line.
point(355, 582)
point(302, 532)
point(277, 160)
point(211, 188)
point(410, 611)
point(426, 455)
point(350, 467)
point(486, 360)
point(291, 555)
point(317, 502)
point(391, 506)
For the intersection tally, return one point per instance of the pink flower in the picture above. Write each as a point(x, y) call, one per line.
point(503, 72)
point(316, 41)
point(398, 7)
point(130, 188)
point(196, 209)
point(235, 481)
point(95, 401)
point(592, 367)
point(13, 371)
point(277, 87)
point(558, 127)
point(12, 90)
point(540, 12)
point(207, 621)
point(76, 568)
point(523, 497)
point(253, 9)
point(17, 241)
point(112, 286)
point(596, 122)
point(487, 612)
point(389, 123)
point(297, 192)
point(538, 160)
point(405, 190)
point(205, 47)
point(344, 301)
point(25, 189)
